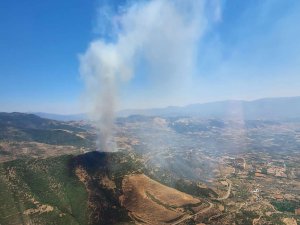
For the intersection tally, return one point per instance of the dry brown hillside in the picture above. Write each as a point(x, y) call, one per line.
point(153, 203)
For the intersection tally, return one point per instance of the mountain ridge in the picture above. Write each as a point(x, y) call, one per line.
point(264, 108)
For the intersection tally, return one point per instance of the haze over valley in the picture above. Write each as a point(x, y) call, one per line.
point(198, 169)
point(150, 112)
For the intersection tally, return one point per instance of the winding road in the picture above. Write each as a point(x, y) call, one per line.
point(194, 215)
point(228, 191)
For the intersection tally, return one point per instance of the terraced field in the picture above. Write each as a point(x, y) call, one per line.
point(153, 203)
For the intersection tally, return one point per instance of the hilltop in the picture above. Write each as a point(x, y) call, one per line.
point(93, 188)
point(28, 134)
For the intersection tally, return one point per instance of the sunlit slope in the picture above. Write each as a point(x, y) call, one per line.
point(68, 189)
point(27, 135)
point(41, 192)
point(92, 188)
point(153, 203)
point(29, 127)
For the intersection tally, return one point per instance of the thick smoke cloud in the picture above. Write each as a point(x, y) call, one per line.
point(162, 35)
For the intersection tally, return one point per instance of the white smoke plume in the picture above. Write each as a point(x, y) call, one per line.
point(163, 34)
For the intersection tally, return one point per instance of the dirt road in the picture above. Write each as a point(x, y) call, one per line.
point(228, 191)
point(194, 215)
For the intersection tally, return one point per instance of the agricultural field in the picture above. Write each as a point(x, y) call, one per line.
point(151, 202)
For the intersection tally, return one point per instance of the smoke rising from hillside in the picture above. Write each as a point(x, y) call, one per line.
point(160, 35)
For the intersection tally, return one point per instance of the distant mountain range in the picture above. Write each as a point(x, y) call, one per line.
point(267, 108)
point(60, 117)
point(285, 108)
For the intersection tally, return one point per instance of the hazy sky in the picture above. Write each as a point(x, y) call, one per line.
point(233, 49)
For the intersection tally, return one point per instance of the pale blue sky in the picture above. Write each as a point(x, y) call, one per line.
point(252, 51)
